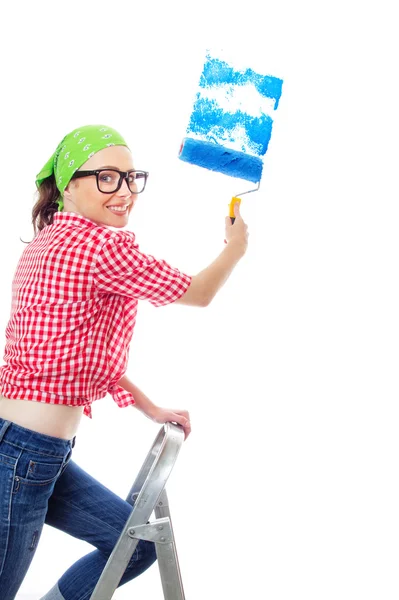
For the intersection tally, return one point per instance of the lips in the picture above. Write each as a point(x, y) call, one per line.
point(117, 209)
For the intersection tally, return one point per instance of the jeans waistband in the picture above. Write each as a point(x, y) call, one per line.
point(33, 440)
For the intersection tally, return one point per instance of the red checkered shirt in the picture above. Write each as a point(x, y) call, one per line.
point(74, 307)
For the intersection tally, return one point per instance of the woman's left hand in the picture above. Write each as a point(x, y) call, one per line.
point(166, 415)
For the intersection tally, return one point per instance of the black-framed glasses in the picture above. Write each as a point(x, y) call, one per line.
point(110, 180)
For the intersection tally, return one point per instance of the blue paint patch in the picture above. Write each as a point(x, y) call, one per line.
point(214, 124)
point(217, 72)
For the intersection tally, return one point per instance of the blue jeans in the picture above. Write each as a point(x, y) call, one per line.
point(39, 483)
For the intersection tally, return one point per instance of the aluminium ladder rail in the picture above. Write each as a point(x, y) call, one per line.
point(147, 495)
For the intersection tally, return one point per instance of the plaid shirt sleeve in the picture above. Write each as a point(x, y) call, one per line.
point(122, 269)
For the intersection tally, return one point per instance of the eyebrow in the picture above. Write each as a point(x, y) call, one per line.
point(113, 167)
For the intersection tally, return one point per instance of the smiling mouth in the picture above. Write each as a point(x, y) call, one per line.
point(118, 210)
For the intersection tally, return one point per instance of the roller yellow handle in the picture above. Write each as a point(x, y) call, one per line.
point(234, 200)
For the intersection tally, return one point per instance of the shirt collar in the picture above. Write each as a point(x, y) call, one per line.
point(70, 218)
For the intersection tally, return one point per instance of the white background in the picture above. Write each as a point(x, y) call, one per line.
point(287, 487)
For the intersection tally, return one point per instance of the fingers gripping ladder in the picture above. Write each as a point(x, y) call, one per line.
point(147, 496)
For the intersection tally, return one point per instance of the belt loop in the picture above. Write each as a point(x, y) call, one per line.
point(4, 428)
point(73, 442)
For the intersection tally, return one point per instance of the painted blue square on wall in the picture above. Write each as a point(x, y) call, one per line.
point(230, 125)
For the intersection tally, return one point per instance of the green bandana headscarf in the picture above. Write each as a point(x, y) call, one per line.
point(74, 150)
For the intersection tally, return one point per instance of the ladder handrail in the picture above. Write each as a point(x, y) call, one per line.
point(169, 434)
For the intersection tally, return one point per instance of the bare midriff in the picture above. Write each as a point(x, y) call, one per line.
point(58, 420)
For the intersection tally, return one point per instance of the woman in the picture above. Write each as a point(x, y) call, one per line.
point(74, 305)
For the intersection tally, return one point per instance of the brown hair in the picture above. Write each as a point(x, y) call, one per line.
point(46, 205)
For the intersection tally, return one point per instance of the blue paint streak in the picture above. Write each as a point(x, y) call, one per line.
point(223, 160)
point(209, 120)
point(217, 72)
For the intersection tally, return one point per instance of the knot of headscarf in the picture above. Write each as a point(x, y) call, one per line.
point(74, 150)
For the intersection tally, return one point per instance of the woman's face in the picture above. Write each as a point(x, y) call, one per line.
point(82, 196)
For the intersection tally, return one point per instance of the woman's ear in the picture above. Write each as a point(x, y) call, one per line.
point(67, 192)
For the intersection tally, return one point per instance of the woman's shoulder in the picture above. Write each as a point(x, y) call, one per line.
point(115, 236)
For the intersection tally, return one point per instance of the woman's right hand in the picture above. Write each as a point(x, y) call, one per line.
point(237, 232)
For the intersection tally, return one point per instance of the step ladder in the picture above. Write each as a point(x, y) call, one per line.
point(148, 495)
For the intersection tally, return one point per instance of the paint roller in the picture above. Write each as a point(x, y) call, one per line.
point(230, 125)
